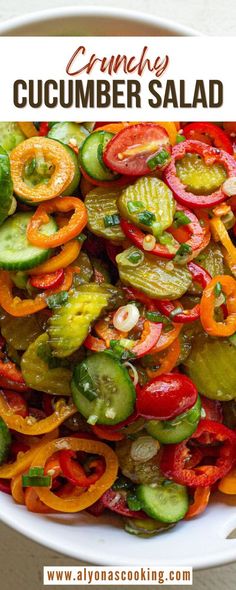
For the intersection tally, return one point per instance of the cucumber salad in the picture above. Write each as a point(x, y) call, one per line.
point(118, 318)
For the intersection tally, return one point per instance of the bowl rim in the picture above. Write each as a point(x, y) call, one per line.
point(96, 11)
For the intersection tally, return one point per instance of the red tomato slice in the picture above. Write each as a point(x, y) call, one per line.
point(166, 396)
point(129, 150)
point(50, 280)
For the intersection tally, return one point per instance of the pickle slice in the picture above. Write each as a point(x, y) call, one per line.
point(69, 324)
point(39, 375)
point(211, 365)
point(101, 204)
point(150, 195)
point(158, 278)
point(20, 332)
point(200, 178)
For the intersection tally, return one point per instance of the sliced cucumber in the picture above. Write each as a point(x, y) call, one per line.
point(16, 253)
point(91, 156)
point(167, 501)
point(6, 185)
point(102, 389)
point(174, 431)
point(68, 132)
point(74, 183)
point(5, 441)
point(10, 135)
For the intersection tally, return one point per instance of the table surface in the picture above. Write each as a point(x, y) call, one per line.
point(21, 560)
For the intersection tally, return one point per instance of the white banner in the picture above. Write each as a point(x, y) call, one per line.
point(117, 78)
point(114, 575)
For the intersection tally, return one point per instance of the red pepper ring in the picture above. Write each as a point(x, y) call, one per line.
point(116, 502)
point(75, 473)
point(219, 138)
point(210, 156)
point(136, 236)
point(175, 458)
point(200, 275)
point(149, 338)
point(50, 280)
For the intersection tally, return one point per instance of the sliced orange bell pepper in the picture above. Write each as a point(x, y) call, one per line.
point(227, 484)
point(18, 307)
point(201, 499)
point(75, 503)
point(51, 150)
point(28, 128)
point(106, 434)
point(167, 361)
point(28, 425)
point(227, 327)
point(219, 232)
point(167, 338)
point(24, 460)
point(71, 230)
point(33, 503)
point(68, 254)
point(17, 489)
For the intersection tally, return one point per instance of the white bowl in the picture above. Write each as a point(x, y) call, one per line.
point(199, 543)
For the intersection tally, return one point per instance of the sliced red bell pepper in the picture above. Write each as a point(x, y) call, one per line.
point(149, 337)
point(210, 155)
point(136, 236)
point(105, 433)
point(218, 137)
point(11, 377)
point(212, 408)
point(116, 502)
point(5, 486)
point(43, 128)
point(75, 473)
point(175, 458)
point(50, 280)
point(94, 343)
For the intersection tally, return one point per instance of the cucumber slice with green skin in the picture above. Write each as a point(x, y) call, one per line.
point(16, 253)
point(73, 185)
point(91, 153)
point(67, 132)
point(166, 501)
point(6, 185)
point(10, 135)
point(177, 430)
point(102, 390)
point(5, 441)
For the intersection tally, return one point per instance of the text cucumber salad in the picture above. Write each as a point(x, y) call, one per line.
point(118, 318)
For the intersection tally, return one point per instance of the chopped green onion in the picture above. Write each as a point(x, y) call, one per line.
point(36, 471)
point(92, 419)
point(168, 240)
point(218, 289)
point(110, 220)
point(54, 301)
point(81, 238)
point(135, 257)
point(42, 481)
point(180, 138)
point(180, 219)
point(146, 217)
point(134, 206)
point(156, 317)
point(158, 160)
point(183, 252)
point(119, 351)
point(133, 502)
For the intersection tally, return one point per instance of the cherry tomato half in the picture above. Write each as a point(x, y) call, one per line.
point(166, 396)
point(129, 152)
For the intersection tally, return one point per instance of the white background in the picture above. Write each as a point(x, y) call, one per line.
point(21, 561)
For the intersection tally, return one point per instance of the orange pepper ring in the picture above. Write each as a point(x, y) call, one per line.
point(75, 503)
point(168, 361)
point(167, 338)
point(52, 150)
point(24, 460)
point(75, 225)
point(23, 425)
point(68, 254)
point(20, 308)
point(207, 307)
